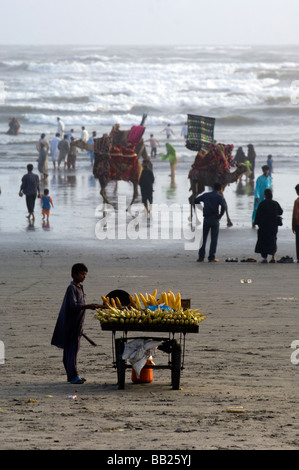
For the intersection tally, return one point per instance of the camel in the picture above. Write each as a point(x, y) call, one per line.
point(109, 166)
point(211, 167)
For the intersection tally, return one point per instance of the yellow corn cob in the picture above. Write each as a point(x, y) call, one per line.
point(137, 301)
point(154, 294)
point(113, 303)
point(152, 299)
point(118, 302)
point(132, 301)
point(143, 299)
point(106, 300)
point(164, 298)
point(178, 303)
point(171, 299)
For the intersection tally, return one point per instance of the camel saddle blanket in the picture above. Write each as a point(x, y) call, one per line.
point(102, 144)
point(200, 132)
point(215, 164)
point(135, 135)
point(116, 167)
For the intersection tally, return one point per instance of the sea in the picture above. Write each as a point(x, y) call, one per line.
point(251, 91)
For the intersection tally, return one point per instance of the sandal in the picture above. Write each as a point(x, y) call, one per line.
point(285, 259)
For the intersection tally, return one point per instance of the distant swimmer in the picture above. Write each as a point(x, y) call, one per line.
point(14, 126)
point(169, 132)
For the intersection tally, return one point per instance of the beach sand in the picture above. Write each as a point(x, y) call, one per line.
point(240, 357)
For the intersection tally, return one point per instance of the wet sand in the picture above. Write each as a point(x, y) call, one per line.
point(240, 357)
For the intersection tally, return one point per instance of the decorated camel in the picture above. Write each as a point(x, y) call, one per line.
point(213, 166)
point(116, 157)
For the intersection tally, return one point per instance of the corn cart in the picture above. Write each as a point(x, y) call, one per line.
point(174, 321)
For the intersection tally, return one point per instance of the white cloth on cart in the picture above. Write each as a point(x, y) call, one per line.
point(138, 351)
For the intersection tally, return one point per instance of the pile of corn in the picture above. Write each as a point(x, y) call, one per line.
point(147, 309)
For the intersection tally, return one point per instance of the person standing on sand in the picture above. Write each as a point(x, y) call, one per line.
point(270, 164)
point(146, 182)
point(72, 155)
point(44, 141)
point(251, 155)
point(30, 187)
point(266, 219)
point(64, 148)
point(69, 326)
point(212, 201)
point(47, 202)
point(91, 141)
point(240, 156)
point(43, 161)
point(54, 149)
point(263, 182)
point(295, 221)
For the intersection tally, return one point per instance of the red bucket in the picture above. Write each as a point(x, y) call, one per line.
point(146, 374)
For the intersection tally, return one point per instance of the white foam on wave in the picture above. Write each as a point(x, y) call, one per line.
point(242, 87)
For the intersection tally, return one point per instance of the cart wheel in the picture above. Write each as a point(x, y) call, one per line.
point(120, 363)
point(175, 366)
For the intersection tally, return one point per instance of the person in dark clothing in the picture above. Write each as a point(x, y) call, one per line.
point(240, 156)
point(212, 201)
point(295, 221)
point(251, 156)
point(30, 187)
point(146, 183)
point(267, 221)
point(69, 326)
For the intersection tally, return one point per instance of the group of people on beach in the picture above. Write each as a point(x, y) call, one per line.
point(266, 214)
point(266, 211)
point(62, 151)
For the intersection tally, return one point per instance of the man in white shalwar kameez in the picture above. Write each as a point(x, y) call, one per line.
point(60, 127)
point(84, 134)
point(54, 149)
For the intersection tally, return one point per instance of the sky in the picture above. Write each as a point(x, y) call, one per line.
point(149, 22)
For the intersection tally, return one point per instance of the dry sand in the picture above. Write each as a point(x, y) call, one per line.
point(240, 357)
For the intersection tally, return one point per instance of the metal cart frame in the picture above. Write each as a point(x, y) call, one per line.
point(175, 349)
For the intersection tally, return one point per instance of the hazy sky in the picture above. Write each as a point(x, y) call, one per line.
point(146, 22)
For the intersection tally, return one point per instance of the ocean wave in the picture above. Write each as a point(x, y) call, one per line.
point(237, 120)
